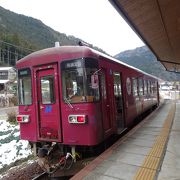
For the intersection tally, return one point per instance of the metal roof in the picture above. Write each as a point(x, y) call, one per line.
point(5, 68)
point(157, 22)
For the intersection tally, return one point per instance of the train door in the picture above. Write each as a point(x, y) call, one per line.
point(118, 101)
point(48, 103)
point(107, 125)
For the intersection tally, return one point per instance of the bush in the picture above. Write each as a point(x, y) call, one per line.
point(13, 101)
point(12, 117)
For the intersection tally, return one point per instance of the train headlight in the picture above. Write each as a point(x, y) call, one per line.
point(77, 119)
point(22, 118)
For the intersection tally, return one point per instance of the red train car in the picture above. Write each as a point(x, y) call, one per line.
point(76, 96)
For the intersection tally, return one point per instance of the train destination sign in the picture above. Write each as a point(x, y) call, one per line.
point(24, 72)
point(73, 64)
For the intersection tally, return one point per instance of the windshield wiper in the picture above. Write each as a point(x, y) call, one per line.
point(96, 71)
point(68, 102)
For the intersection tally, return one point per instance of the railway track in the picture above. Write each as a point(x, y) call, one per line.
point(46, 176)
point(40, 176)
point(67, 173)
point(64, 174)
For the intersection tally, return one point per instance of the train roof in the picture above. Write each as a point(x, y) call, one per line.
point(53, 54)
point(66, 52)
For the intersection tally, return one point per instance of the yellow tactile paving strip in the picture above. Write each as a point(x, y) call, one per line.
point(153, 160)
point(146, 174)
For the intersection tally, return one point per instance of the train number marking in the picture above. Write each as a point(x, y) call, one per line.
point(48, 109)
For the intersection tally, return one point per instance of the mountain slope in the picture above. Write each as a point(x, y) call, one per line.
point(142, 58)
point(32, 31)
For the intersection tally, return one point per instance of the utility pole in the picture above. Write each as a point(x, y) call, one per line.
point(8, 55)
point(0, 53)
point(16, 56)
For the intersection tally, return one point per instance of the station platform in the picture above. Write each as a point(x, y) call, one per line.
point(151, 150)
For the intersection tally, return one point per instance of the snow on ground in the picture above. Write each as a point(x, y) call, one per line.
point(11, 147)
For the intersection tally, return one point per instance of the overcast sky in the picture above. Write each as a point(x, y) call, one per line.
point(94, 21)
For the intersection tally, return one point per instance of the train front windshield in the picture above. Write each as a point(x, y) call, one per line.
point(80, 81)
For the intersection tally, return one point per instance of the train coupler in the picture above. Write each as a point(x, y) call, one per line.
point(65, 162)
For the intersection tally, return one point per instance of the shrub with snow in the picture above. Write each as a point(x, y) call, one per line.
point(11, 117)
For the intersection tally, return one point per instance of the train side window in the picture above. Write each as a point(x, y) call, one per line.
point(117, 84)
point(47, 90)
point(103, 87)
point(135, 91)
point(154, 88)
point(140, 81)
point(145, 87)
point(149, 87)
point(118, 91)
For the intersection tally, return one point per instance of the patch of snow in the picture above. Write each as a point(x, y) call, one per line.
point(11, 147)
point(5, 126)
point(3, 137)
point(17, 134)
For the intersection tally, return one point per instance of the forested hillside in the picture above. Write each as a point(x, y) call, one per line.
point(28, 34)
point(142, 58)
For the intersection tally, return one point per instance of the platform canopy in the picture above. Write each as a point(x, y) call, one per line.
point(157, 23)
